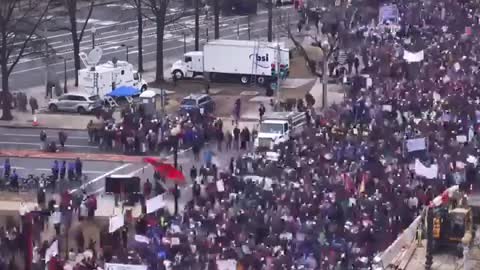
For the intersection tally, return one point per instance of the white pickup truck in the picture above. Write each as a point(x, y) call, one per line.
point(278, 127)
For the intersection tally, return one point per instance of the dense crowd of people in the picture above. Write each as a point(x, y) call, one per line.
point(341, 192)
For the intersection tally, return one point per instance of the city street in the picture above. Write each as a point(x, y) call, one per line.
point(29, 139)
point(116, 26)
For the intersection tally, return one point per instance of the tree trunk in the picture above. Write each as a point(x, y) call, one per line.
point(75, 41)
point(197, 25)
point(6, 97)
point(159, 60)
point(216, 14)
point(140, 36)
point(270, 21)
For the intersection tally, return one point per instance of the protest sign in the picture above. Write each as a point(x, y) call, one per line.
point(413, 57)
point(155, 203)
point(116, 222)
point(142, 239)
point(427, 172)
point(461, 138)
point(416, 144)
point(52, 251)
point(220, 186)
point(388, 13)
point(118, 266)
point(226, 264)
point(387, 108)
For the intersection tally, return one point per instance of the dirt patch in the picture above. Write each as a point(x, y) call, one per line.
point(298, 68)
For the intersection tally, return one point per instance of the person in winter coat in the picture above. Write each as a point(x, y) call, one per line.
point(147, 189)
point(62, 138)
point(80, 239)
point(236, 137)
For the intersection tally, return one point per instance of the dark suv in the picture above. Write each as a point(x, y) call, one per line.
point(201, 102)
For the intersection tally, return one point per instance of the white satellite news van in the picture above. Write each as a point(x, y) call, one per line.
point(102, 79)
point(239, 59)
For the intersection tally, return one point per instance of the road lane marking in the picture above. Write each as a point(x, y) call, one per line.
point(145, 45)
point(89, 172)
point(101, 177)
point(38, 135)
point(127, 33)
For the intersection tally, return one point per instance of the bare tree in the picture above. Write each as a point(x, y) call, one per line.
point(71, 8)
point(270, 20)
point(197, 25)
point(138, 6)
point(216, 14)
point(334, 33)
point(159, 15)
point(19, 24)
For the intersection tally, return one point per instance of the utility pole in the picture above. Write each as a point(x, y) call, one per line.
point(270, 20)
point(277, 68)
point(197, 25)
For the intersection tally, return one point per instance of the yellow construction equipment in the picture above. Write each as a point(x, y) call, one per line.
point(452, 223)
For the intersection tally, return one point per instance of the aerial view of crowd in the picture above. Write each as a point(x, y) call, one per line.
point(339, 193)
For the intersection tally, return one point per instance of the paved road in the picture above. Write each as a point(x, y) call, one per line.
point(29, 139)
point(116, 25)
point(94, 171)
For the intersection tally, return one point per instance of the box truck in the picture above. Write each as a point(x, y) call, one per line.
point(243, 60)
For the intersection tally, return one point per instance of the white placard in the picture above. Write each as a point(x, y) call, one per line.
point(461, 138)
point(226, 264)
point(220, 186)
point(116, 222)
point(52, 251)
point(155, 203)
point(273, 156)
point(142, 238)
point(175, 241)
point(413, 57)
point(471, 159)
point(427, 172)
point(416, 144)
point(56, 217)
point(387, 108)
point(118, 266)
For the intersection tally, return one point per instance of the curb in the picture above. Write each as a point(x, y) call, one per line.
point(72, 155)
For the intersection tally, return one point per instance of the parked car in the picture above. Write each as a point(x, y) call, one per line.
point(75, 102)
point(202, 102)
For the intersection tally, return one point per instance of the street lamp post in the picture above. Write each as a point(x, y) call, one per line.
point(184, 42)
point(238, 29)
point(325, 47)
point(248, 22)
point(64, 75)
point(429, 249)
point(126, 48)
point(93, 30)
point(175, 134)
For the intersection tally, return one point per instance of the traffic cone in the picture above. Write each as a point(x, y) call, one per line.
point(35, 122)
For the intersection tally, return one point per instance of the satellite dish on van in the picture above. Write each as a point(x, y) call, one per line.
point(94, 56)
